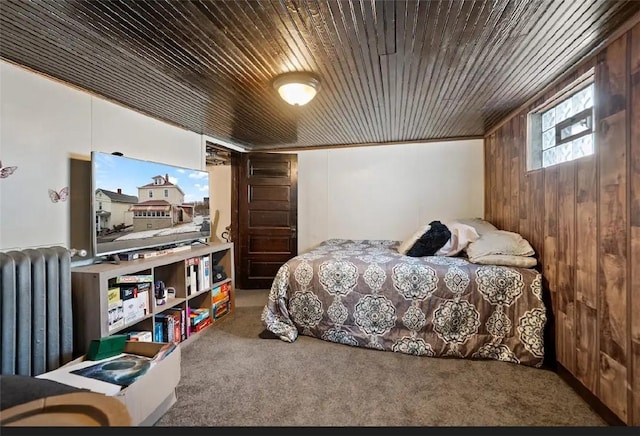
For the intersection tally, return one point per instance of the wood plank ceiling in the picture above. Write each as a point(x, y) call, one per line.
point(391, 71)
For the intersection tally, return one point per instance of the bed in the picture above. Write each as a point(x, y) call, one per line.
point(365, 293)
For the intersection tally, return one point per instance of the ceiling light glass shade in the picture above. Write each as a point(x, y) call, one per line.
point(297, 88)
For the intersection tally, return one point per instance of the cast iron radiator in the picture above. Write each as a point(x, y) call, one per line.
point(35, 310)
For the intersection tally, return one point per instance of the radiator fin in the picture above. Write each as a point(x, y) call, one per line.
point(35, 309)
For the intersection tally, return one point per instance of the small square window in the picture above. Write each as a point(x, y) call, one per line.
point(562, 129)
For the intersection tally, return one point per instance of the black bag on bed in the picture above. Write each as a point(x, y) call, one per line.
point(431, 241)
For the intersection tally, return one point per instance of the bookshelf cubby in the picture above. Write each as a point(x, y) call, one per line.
point(91, 285)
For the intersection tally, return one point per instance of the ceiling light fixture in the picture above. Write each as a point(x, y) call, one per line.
point(297, 88)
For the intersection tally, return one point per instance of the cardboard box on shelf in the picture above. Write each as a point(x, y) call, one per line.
point(116, 315)
point(132, 312)
point(147, 398)
point(113, 295)
point(135, 278)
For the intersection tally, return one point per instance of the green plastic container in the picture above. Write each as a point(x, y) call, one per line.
point(106, 347)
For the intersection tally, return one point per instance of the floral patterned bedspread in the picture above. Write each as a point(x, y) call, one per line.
point(364, 293)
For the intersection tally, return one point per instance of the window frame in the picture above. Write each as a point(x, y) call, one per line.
point(534, 122)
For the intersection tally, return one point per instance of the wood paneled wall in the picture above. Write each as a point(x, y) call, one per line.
point(583, 219)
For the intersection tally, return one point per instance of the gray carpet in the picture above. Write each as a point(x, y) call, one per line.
point(231, 377)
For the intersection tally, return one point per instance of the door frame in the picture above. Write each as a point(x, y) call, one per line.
point(235, 159)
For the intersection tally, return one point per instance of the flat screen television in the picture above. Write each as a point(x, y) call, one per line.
point(139, 204)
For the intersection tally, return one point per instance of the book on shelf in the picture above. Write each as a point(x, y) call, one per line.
point(201, 325)
point(181, 315)
point(215, 291)
point(177, 324)
point(167, 330)
point(134, 278)
point(220, 309)
point(158, 328)
point(220, 298)
point(191, 268)
point(197, 316)
point(205, 272)
point(187, 314)
point(177, 336)
point(192, 261)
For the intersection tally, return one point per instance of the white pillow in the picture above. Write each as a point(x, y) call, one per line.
point(408, 243)
point(506, 260)
point(479, 224)
point(499, 242)
point(461, 236)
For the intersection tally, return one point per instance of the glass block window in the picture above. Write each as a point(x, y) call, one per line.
point(562, 130)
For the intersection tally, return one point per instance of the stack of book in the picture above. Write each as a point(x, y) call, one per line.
point(130, 298)
point(199, 318)
point(179, 324)
point(115, 309)
point(171, 326)
point(198, 271)
point(220, 300)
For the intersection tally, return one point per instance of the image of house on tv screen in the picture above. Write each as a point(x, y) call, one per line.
point(136, 206)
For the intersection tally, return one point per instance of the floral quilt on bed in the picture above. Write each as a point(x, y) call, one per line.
point(364, 293)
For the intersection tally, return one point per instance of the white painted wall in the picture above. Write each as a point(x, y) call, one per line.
point(220, 196)
point(378, 192)
point(387, 192)
point(43, 123)
point(116, 128)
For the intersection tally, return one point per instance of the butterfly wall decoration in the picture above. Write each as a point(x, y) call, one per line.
point(6, 171)
point(57, 196)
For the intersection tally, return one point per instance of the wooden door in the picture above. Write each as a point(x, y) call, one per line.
point(267, 216)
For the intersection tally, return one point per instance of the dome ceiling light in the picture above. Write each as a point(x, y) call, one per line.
point(297, 88)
